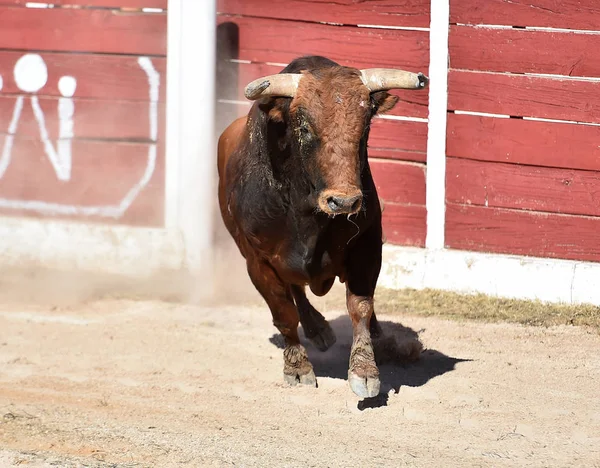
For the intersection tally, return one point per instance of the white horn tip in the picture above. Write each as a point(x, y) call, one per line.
point(255, 89)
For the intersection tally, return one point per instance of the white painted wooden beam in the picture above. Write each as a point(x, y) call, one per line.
point(190, 163)
point(436, 137)
point(511, 276)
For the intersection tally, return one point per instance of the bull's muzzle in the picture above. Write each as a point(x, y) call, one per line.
point(336, 203)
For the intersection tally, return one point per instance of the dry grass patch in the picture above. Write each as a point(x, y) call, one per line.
point(480, 307)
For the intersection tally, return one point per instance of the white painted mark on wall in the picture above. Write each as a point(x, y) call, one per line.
point(10, 138)
point(31, 75)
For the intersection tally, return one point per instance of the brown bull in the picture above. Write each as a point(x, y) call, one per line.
point(297, 196)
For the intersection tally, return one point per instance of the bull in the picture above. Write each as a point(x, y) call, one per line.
point(297, 196)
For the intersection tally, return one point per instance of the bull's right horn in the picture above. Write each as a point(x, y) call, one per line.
point(384, 79)
point(282, 84)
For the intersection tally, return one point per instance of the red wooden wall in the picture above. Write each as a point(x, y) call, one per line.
point(515, 185)
point(269, 34)
point(99, 43)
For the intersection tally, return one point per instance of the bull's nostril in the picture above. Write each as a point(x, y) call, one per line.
point(344, 204)
point(333, 203)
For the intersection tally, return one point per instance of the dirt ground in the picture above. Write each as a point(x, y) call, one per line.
point(151, 383)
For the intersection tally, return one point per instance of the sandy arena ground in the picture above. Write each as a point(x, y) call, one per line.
point(150, 383)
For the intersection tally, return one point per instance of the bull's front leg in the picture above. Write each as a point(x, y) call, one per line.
point(278, 296)
point(363, 264)
point(363, 374)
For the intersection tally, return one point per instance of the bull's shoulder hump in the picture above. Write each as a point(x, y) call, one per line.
point(232, 135)
point(229, 141)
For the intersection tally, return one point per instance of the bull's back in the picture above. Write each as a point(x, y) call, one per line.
point(228, 142)
point(226, 148)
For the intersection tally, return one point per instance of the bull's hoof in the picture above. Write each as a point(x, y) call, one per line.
point(325, 337)
point(296, 366)
point(364, 387)
point(308, 379)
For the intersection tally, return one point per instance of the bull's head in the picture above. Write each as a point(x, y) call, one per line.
point(327, 120)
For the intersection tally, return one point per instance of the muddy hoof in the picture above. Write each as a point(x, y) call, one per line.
point(364, 387)
point(324, 339)
point(305, 379)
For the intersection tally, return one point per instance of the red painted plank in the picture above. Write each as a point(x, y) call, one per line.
point(102, 174)
point(83, 30)
point(101, 3)
point(399, 182)
point(522, 232)
point(123, 120)
point(526, 96)
point(398, 135)
point(411, 13)
point(279, 41)
point(404, 225)
point(399, 155)
point(523, 187)
point(411, 104)
point(98, 76)
point(568, 14)
point(524, 142)
point(386, 134)
point(524, 51)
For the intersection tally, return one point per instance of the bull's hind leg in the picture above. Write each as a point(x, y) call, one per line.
point(296, 366)
point(363, 264)
point(315, 327)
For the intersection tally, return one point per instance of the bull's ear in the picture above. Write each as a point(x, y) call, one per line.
point(274, 109)
point(276, 114)
point(383, 102)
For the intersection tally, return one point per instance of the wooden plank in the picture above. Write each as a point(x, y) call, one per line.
point(92, 119)
point(524, 51)
point(399, 182)
point(102, 174)
point(278, 41)
point(399, 155)
point(523, 95)
point(522, 232)
point(162, 4)
point(411, 13)
point(83, 30)
point(404, 225)
point(520, 141)
point(399, 135)
point(411, 104)
point(98, 76)
point(523, 187)
point(568, 14)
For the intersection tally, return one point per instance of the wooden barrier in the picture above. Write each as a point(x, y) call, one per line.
point(82, 111)
point(527, 183)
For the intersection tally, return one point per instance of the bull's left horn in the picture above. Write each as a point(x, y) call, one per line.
point(384, 79)
point(282, 84)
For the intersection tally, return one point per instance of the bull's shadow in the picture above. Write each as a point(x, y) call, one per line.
point(334, 362)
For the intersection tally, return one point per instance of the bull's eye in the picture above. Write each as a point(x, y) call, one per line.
point(305, 132)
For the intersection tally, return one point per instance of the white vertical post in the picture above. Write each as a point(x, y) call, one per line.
point(436, 138)
point(190, 149)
